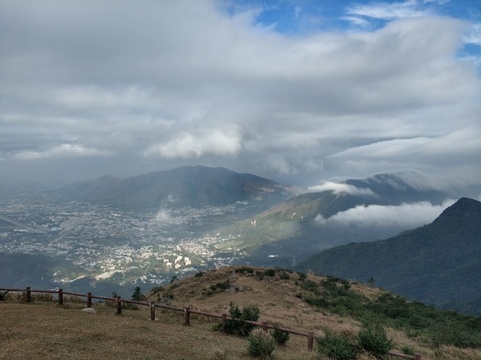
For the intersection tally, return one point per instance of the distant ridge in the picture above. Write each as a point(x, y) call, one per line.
point(439, 263)
point(295, 228)
point(185, 186)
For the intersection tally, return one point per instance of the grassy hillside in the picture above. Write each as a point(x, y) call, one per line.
point(297, 301)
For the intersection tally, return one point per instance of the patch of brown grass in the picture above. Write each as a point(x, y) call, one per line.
point(49, 331)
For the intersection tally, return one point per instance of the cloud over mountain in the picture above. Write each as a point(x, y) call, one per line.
point(404, 215)
point(127, 88)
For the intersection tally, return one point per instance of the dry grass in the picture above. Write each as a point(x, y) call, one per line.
point(44, 330)
point(48, 331)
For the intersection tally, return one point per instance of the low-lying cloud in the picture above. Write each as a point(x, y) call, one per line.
point(338, 188)
point(404, 215)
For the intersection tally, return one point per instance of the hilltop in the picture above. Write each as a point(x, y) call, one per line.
point(322, 303)
point(293, 300)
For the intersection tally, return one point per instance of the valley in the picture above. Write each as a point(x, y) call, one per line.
point(101, 234)
point(101, 242)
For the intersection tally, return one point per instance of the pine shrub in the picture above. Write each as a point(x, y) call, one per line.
point(237, 324)
point(337, 347)
point(374, 340)
point(261, 344)
point(281, 337)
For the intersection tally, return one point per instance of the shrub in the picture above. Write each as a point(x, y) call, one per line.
point(337, 347)
point(237, 325)
point(270, 272)
point(281, 337)
point(374, 340)
point(284, 275)
point(302, 276)
point(245, 270)
point(261, 344)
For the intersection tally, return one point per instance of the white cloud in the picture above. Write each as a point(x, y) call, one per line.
point(357, 21)
point(388, 11)
point(405, 215)
point(474, 35)
point(216, 142)
point(187, 84)
point(338, 188)
point(63, 150)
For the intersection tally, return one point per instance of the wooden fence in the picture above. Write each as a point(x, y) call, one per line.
point(186, 310)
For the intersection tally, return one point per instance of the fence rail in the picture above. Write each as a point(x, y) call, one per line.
point(186, 310)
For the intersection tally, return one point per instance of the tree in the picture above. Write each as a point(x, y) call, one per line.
point(137, 295)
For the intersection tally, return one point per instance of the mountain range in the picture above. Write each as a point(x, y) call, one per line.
point(194, 186)
point(438, 263)
point(297, 227)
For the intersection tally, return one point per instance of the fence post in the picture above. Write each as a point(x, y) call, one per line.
point(224, 319)
point(264, 326)
point(89, 300)
point(152, 311)
point(310, 340)
point(60, 296)
point(119, 306)
point(186, 316)
point(28, 294)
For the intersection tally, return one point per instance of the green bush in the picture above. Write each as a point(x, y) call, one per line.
point(270, 272)
point(261, 344)
point(374, 340)
point(337, 347)
point(281, 337)
point(225, 285)
point(237, 325)
point(302, 276)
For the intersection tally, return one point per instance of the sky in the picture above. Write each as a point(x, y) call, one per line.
point(298, 91)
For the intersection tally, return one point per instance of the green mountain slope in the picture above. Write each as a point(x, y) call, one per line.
point(438, 263)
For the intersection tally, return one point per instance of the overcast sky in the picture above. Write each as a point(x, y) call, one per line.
point(300, 91)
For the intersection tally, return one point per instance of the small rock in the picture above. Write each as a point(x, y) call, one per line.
point(90, 310)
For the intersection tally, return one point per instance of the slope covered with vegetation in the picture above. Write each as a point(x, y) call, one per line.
point(438, 263)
